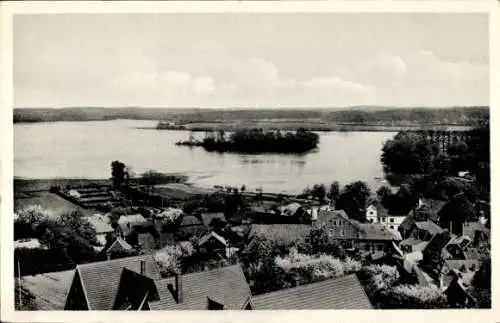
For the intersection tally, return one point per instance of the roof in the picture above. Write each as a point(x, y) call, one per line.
point(470, 229)
point(134, 218)
point(287, 233)
point(338, 293)
point(226, 285)
point(210, 235)
point(49, 289)
point(407, 223)
point(190, 220)
point(377, 231)
point(429, 226)
point(100, 223)
point(148, 241)
point(120, 242)
point(208, 217)
point(457, 264)
point(290, 209)
point(416, 244)
point(325, 216)
point(100, 280)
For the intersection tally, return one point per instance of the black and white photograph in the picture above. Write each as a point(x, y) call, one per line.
point(252, 160)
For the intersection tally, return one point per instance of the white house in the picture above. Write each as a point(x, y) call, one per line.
point(376, 213)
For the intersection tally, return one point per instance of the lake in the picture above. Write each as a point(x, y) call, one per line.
point(86, 150)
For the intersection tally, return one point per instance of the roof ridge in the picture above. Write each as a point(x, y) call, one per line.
point(90, 264)
point(204, 271)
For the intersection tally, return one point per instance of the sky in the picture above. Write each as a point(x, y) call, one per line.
point(251, 60)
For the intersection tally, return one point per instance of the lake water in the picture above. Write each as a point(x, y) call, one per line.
point(86, 150)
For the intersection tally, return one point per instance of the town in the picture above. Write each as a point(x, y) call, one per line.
point(154, 242)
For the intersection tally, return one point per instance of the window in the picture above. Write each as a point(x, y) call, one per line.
point(380, 247)
point(391, 220)
point(392, 227)
point(382, 219)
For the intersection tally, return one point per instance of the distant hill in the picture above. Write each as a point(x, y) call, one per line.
point(352, 115)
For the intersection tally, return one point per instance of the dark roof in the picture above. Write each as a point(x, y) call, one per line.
point(434, 205)
point(226, 285)
point(339, 293)
point(325, 216)
point(208, 217)
point(407, 223)
point(429, 226)
point(190, 220)
point(100, 280)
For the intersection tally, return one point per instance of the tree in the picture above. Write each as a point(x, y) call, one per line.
point(26, 220)
point(334, 192)
point(383, 192)
point(408, 153)
point(481, 283)
point(75, 222)
point(318, 241)
point(319, 191)
point(353, 200)
point(118, 173)
point(455, 212)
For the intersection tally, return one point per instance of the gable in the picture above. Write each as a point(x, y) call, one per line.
point(76, 298)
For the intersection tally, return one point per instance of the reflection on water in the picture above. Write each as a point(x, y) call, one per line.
point(86, 149)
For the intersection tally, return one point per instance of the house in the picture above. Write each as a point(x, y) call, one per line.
point(338, 293)
point(419, 234)
point(290, 209)
point(214, 244)
point(95, 285)
point(189, 226)
point(431, 207)
point(352, 234)
point(102, 227)
point(223, 288)
point(377, 213)
point(118, 246)
point(126, 224)
point(478, 233)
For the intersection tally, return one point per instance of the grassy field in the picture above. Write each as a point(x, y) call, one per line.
point(50, 201)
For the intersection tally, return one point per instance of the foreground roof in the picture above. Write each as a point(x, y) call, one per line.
point(226, 285)
point(100, 280)
point(338, 293)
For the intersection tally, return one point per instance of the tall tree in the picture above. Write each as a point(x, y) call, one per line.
point(334, 192)
point(353, 200)
point(118, 173)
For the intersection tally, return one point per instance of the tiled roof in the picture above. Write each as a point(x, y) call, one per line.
point(338, 293)
point(226, 285)
point(100, 223)
point(429, 226)
point(376, 231)
point(100, 280)
point(208, 217)
point(287, 233)
point(434, 205)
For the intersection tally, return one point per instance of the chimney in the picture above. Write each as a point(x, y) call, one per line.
point(178, 288)
point(143, 267)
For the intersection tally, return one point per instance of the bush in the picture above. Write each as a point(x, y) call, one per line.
point(379, 278)
point(415, 296)
point(312, 268)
